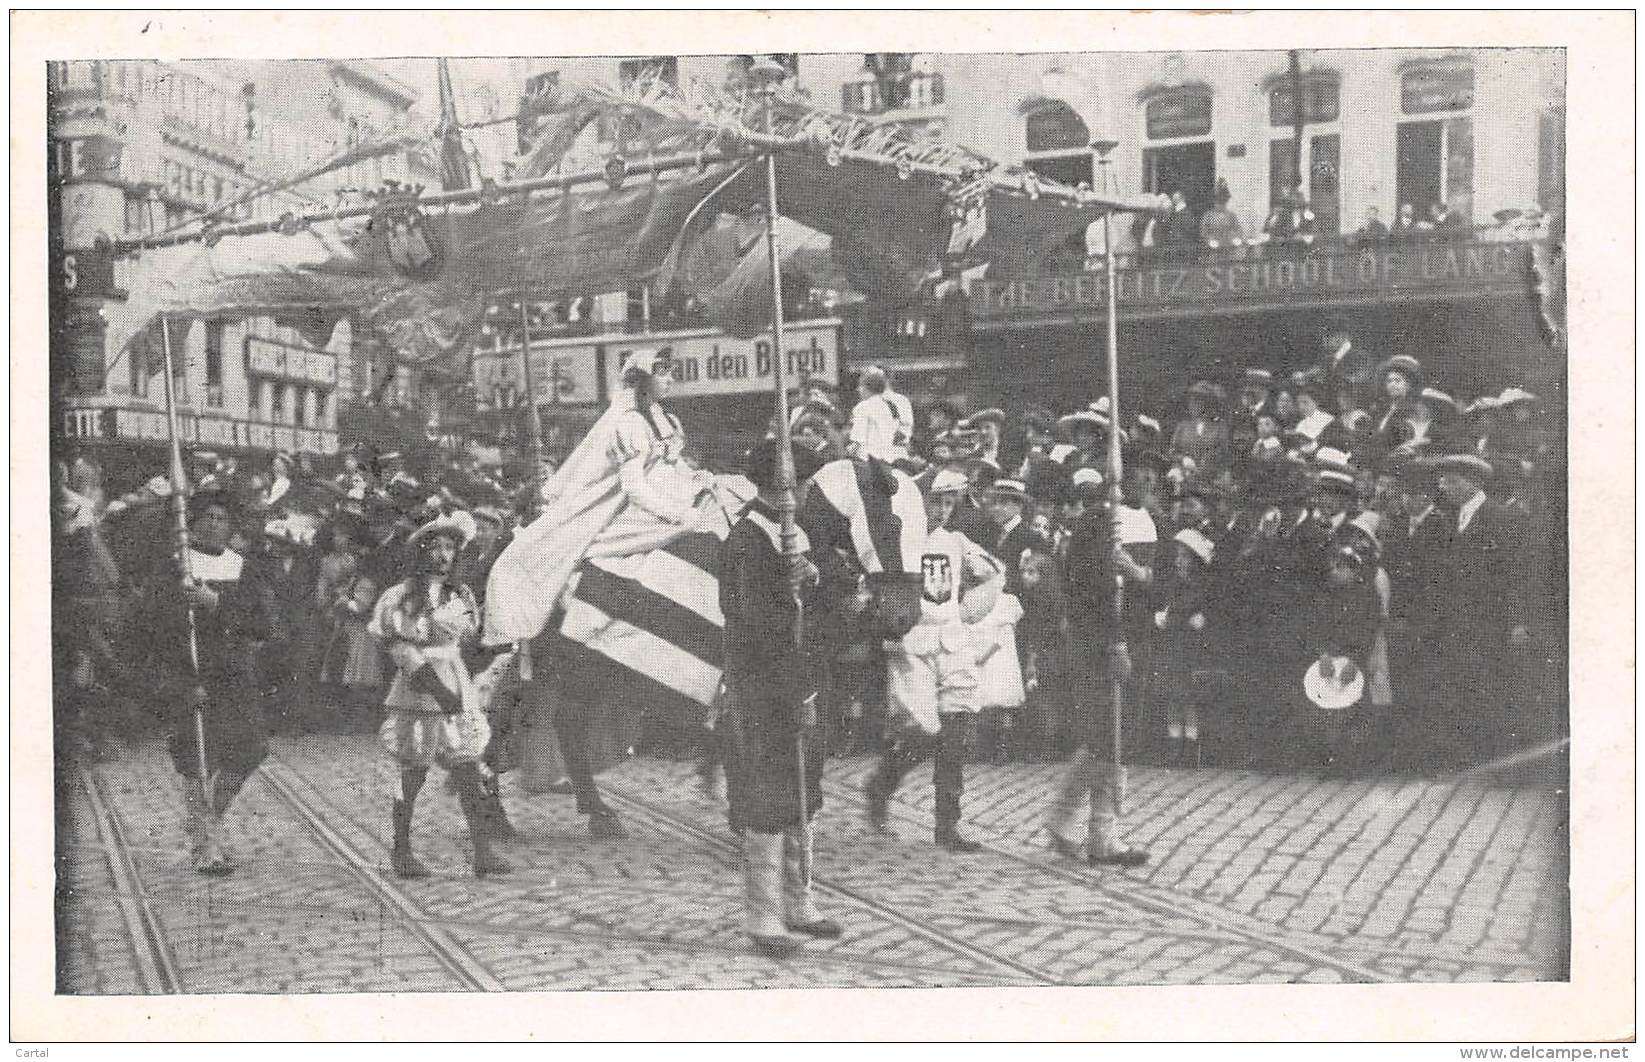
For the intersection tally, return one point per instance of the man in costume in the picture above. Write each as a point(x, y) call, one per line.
point(932, 676)
point(232, 614)
point(771, 687)
point(434, 712)
point(1099, 657)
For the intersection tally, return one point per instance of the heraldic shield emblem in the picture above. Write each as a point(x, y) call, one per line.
point(413, 247)
point(937, 578)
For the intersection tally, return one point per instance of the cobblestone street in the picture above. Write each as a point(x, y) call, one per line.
point(1255, 879)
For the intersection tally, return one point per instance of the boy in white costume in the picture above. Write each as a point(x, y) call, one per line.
point(931, 672)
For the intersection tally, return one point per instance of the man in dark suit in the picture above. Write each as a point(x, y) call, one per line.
point(1479, 617)
point(1414, 545)
point(1011, 509)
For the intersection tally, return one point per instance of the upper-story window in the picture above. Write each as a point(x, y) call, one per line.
point(1434, 173)
point(665, 68)
point(1057, 141)
point(1180, 155)
point(1317, 174)
point(889, 81)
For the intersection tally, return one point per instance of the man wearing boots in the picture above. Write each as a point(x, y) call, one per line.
point(931, 673)
point(232, 614)
point(771, 688)
point(434, 714)
point(1094, 566)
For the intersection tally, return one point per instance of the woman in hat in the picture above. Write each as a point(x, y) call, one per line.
point(1202, 435)
point(1373, 733)
point(434, 711)
point(1184, 672)
point(1329, 677)
point(1399, 380)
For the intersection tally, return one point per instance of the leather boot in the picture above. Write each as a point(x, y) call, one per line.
point(801, 909)
point(472, 798)
point(763, 895)
point(404, 864)
point(496, 816)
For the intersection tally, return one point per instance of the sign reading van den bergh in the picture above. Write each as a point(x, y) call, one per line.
point(713, 363)
point(1372, 274)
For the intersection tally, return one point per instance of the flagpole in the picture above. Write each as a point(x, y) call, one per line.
point(1104, 150)
point(767, 73)
point(533, 421)
point(179, 506)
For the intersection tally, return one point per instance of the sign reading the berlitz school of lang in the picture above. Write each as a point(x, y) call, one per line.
point(1277, 279)
point(713, 363)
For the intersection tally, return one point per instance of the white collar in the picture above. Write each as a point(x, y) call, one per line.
point(1465, 514)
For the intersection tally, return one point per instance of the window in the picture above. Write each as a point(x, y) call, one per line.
point(1550, 160)
point(1323, 185)
point(322, 409)
point(1436, 162)
point(299, 406)
point(138, 219)
point(665, 68)
point(214, 363)
point(1058, 143)
point(1321, 99)
point(276, 402)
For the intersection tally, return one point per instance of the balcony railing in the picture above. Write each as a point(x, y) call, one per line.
point(912, 91)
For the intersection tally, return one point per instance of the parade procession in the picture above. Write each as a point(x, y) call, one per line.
point(807, 551)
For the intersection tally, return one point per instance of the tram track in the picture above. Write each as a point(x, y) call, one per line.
point(1209, 922)
point(471, 974)
point(671, 822)
point(151, 950)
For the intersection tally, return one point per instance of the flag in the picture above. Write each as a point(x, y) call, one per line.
point(454, 169)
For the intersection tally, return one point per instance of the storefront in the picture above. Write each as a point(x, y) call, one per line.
point(1461, 306)
point(722, 385)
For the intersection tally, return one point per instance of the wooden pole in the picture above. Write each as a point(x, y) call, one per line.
point(1115, 471)
point(770, 72)
point(179, 506)
point(533, 422)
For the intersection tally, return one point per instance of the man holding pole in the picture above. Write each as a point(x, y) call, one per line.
point(215, 695)
point(773, 781)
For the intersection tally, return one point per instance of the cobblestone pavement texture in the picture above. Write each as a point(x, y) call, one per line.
point(1255, 878)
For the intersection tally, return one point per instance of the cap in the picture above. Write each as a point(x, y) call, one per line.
point(646, 361)
point(992, 415)
point(1087, 477)
point(1514, 396)
point(948, 481)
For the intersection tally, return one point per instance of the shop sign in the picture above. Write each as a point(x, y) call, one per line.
point(1184, 112)
point(564, 374)
point(713, 363)
point(142, 425)
point(1274, 280)
point(281, 361)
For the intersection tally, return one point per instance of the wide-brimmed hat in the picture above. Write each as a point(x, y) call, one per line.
point(1470, 465)
point(1256, 378)
point(1014, 489)
point(1196, 542)
point(1084, 418)
point(992, 415)
point(1211, 392)
point(1333, 694)
point(947, 481)
point(1440, 404)
point(1406, 365)
point(1514, 396)
point(452, 525)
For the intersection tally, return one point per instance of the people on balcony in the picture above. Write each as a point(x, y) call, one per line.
point(1373, 231)
point(1219, 228)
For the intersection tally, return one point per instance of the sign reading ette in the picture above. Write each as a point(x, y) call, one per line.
point(1370, 274)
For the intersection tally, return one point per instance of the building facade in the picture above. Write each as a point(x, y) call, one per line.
point(141, 147)
point(1480, 131)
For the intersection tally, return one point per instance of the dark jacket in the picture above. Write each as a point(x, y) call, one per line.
point(767, 678)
